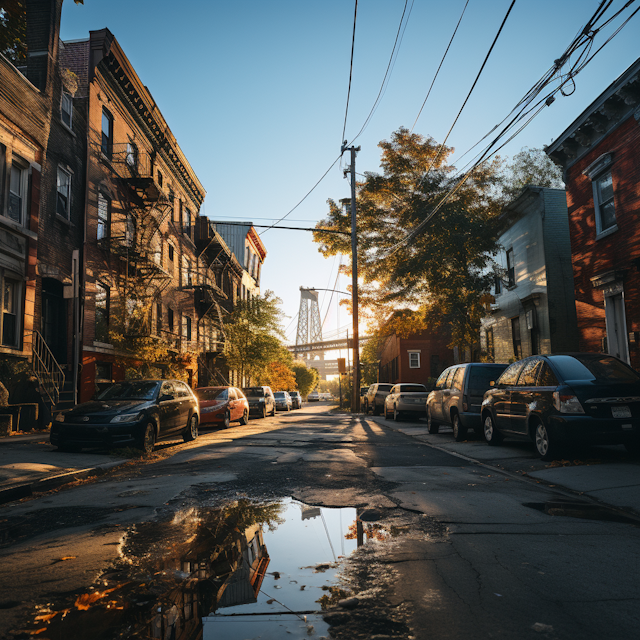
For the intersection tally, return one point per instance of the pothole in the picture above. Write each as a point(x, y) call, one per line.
point(245, 570)
point(580, 509)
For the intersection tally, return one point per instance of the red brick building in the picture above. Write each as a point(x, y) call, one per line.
point(415, 359)
point(600, 155)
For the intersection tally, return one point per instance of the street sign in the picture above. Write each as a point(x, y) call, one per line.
point(342, 365)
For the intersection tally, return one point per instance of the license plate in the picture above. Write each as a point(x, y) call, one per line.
point(621, 412)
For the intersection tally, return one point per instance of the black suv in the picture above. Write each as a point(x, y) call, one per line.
point(136, 412)
point(261, 401)
point(554, 400)
point(457, 397)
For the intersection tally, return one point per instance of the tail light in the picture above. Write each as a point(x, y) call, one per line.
point(566, 402)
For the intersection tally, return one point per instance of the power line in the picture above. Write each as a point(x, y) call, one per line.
point(353, 43)
point(440, 65)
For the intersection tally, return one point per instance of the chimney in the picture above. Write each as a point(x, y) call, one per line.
point(43, 32)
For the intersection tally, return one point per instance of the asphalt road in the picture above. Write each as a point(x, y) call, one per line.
point(454, 548)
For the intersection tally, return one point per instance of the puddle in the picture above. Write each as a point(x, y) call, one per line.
point(244, 571)
point(577, 509)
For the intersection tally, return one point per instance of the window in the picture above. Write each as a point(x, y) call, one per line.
point(458, 377)
point(414, 359)
point(186, 327)
point(63, 200)
point(130, 231)
point(186, 272)
point(171, 251)
point(66, 109)
point(547, 378)
point(449, 378)
point(490, 345)
point(497, 285)
point(104, 372)
point(510, 374)
point(515, 336)
point(160, 179)
point(132, 156)
point(104, 216)
point(17, 193)
point(511, 269)
point(603, 201)
point(529, 373)
point(159, 318)
point(170, 319)
point(107, 134)
point(187, 222)
point(11, 290)
point(102, 312)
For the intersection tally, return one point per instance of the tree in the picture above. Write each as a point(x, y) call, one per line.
point(306, 377)
point(530, 167)
point(445, 269)
point(279, 377)
point(254, 333)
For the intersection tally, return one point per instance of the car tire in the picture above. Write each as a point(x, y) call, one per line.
point(491, 435)
point(191, 432)
point(226, 421)
point(273, 413)
point(148, 440)
point(459, 432)
point(376, 410)
point(396, 414)
point(545, 444)
point(264, 412)
point(432, 425)
point(386, 414)
point(245, 418)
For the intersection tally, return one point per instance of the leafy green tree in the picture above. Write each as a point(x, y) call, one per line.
point(446, 268)
point(254, 333)
point(306, 377)
point(530, 167)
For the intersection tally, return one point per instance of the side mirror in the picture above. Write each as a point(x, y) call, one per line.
point(166, 397)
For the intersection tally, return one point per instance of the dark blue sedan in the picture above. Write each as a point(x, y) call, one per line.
point(564, 399)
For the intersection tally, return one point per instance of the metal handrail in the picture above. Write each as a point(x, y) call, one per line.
point(47, 370)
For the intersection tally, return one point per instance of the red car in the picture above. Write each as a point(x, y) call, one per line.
point(222, 405)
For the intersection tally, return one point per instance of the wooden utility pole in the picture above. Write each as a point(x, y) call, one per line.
point(355, 381)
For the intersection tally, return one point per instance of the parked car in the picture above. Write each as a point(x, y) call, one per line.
point(567, 399)
point(406, 399)
point(222, 405)
point(261, 401)
point(374, 399)
point(457, 397)
point(296, 399)
point(314, 396)
point(136, 412)
point(283, 401)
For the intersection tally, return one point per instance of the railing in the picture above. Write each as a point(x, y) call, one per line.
point(213, 375)
point(47, 370)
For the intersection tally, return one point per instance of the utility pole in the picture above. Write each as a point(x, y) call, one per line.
point(355, 380)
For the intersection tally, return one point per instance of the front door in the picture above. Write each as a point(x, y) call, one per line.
point(54, 319)
point(616, 327)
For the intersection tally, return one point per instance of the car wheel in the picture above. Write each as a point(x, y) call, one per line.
point(491, 435)
point(245, 418)
point(264, 412)
point(148, 441)
point(459, 432)
point(386, 413)
point(396, 414)
point(545, 444)
point(191, 432)
point(432, 425)
point(226, 420)
point(273, 413)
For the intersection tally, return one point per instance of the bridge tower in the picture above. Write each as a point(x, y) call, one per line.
point(309, 324)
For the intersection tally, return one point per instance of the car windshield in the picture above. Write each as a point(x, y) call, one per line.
point(253, 391)
point(279, 394)
point(384, 387)
point(598, 367)
point(480, 377)
point(219, 393)
point(130, 391)
point(411, 388)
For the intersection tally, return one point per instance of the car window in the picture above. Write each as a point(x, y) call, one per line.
point(279, 394)
point(481, 375)
point(385, 387)
point(441, 379)
point(529, 373)
point(510, 374)
point(450, 374)
point(232, 394)
point(456, 382)
point(182, 391)
point(214, 393)
point(546, 377)
point(598, 367)
point(167, 389)
point(254, 391)
point(138, 390)
point(410, 388)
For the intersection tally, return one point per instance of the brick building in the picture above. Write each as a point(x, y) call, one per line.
point(600, 155)
point(143, 275)
point(534, 308)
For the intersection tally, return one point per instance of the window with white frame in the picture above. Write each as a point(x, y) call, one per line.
point(66, 109)
point(104, 216)
point(603, 201)
point(63, 199)
point(414, 359)
point(11, 316)
point(17, 201)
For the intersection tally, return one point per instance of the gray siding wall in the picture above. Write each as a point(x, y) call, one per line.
point(234, 235)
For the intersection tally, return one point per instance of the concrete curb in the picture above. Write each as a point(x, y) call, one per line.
point(27, 489)
point(30, 437)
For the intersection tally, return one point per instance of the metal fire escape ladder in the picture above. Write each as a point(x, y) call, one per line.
point(47, 370)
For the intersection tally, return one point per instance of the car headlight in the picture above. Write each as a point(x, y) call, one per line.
point(127, 417)
point(59, 417)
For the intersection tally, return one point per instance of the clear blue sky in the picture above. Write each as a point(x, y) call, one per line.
point(255, 93)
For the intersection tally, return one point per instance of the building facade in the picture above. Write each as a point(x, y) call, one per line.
point(600, 156)
point(534, 309)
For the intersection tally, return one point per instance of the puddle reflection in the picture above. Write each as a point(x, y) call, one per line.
point(243, 571)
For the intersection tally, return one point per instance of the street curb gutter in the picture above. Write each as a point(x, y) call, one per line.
point(27, 489)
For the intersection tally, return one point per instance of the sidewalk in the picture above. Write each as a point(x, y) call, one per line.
point(614, 483)
point(29, 464)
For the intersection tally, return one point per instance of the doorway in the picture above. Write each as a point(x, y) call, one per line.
point(54, 318)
